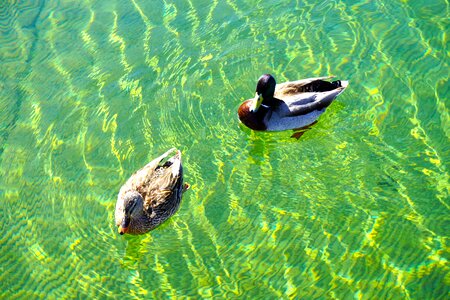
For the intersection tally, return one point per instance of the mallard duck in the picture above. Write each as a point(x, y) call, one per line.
point(151, 195)
point(289, 105)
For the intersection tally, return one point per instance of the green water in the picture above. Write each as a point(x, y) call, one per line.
point(356, 208)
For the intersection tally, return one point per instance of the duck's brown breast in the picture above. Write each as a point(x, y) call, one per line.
point(250, 119)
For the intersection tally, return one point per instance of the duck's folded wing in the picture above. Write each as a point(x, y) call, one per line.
point(305, 103)
point(154, 163)
point(291, 87)
point(164, 187)
point(142, 176)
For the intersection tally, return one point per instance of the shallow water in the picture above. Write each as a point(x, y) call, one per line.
point(358, 207)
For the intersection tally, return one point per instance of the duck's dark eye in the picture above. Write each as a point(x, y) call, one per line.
point(130, 205)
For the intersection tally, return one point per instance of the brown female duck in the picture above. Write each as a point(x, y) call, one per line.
point(151, 195)
point(289, 105)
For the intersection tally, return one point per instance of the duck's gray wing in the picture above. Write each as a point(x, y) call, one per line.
point(306, 103)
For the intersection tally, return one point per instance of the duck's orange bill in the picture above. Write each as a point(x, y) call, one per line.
point(123, 230)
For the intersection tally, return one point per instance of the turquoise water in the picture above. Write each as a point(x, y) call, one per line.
point(358, 207)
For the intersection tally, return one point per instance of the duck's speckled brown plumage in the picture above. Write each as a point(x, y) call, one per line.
point(158, 188)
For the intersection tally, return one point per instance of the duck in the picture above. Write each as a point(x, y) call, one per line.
point(151, 195)
point(290, 105)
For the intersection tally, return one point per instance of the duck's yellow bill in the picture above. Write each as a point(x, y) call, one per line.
point(122, 230)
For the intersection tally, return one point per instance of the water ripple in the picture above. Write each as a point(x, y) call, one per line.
point(355, 208)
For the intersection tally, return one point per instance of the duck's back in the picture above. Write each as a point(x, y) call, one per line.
point(302, 102)
point(139, 179)
point(165, 186)
point(158, 181)
point(310, 85)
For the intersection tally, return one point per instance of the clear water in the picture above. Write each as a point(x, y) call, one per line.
point(357, 208)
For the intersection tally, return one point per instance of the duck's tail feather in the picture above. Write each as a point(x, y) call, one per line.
point(343, 83)
point(164, 160)
point(327, 97)
point(176, 164)
point(340, 83)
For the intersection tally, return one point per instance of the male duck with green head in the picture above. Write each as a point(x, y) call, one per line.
point(289, 105)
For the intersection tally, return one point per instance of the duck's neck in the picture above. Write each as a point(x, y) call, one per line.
point(268, 100)
point(262, 110)
point(140, 219)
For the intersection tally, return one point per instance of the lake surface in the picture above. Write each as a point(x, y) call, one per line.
point(357, 208)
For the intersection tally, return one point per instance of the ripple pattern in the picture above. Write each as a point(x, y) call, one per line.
point(92, 90)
